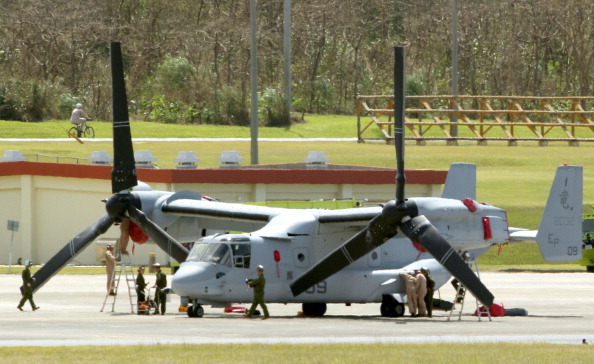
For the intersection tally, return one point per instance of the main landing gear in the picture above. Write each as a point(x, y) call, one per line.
point(313, 309)
point(391, 308)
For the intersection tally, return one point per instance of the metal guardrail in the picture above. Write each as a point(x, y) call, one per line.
point(54, 158)
point(482, 118)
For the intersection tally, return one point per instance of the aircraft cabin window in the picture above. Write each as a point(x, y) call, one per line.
point(242, 254)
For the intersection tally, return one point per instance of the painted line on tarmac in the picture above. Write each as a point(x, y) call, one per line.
point(513, 339)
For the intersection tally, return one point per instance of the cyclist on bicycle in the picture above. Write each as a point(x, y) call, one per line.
point(79, 118)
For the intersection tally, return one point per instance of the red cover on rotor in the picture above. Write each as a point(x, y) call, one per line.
point(137, 235)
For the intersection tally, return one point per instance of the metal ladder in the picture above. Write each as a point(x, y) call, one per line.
point(461, 295)
point(123, 265)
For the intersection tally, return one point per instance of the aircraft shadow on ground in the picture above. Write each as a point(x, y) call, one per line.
point(378, 318)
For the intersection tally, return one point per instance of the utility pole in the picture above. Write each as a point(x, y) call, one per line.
point(254, 85)
point(454, 117)
point(287, 54)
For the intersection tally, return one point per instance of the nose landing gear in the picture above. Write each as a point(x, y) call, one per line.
point(195, 310)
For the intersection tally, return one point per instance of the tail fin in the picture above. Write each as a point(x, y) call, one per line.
point(560, 232)
point(461, 182)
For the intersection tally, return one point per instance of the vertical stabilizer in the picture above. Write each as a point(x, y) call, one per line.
point(560, 232)
point(460, 182)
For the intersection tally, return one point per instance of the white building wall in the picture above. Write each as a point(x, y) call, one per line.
point(53, 210)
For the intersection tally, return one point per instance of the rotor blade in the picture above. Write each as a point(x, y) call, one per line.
point(123, 174)
point(399, 97)
point(419, 229)
point(70, 250)
point(158, 235)
point(379, 230)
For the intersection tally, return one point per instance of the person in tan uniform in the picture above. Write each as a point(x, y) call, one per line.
point(411, 294)
point(421, 289)
point(122, 242)
point(110, 260)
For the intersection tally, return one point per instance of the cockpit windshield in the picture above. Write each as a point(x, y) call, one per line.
point(197, 251)
point(229, 253)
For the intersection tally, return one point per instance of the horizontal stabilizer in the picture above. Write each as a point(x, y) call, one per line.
point(560, 232)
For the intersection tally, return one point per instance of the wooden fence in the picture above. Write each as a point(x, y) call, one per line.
point(480, 118)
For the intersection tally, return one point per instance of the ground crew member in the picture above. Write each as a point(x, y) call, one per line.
point(140, 285)
point(258, 285)
point(160, 297)
point(421, 288)
point(430, 291)
point(110, 261)
point(27, 288)
point(456, 283)
point(122, 242)
point(411, 294)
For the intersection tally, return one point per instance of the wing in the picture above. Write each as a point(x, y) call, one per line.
point(240, 217)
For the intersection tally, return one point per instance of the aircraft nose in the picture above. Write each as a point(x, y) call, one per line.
point(189, 279)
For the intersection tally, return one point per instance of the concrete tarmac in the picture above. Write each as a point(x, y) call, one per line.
point(560, 310)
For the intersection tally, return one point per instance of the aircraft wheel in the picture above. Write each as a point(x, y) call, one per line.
point(195, 311)
point(314, 309)
point(392, 309)
point(590, 269)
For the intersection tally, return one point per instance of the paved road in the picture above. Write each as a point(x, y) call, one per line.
point(97, 140)
point(560, 310)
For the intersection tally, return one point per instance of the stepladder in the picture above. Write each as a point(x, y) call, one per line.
point(458, 305)
point(123, 269)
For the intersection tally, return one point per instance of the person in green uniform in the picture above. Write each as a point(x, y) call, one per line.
point(27, 288)
point(140, 285)
point(160, 297)
point(258, 285)
point(430, 290)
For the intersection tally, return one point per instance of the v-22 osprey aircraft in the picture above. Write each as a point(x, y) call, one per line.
point(315, 256)
point(292, 242)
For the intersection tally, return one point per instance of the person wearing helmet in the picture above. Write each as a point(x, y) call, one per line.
point(258, 285)
point(79, 118)
point(27, 288)
point(160, 283)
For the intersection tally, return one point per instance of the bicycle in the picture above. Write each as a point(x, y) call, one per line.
point(79, 131)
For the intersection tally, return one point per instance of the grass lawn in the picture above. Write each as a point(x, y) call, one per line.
point(307, 353)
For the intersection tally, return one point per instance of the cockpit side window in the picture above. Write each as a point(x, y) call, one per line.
point(242, 254)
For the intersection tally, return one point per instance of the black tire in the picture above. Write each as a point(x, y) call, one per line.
point(398, 310)
point(195, 311)
point(314, 309)
point(590, 268)
point(89, 132)
point(392, 308)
